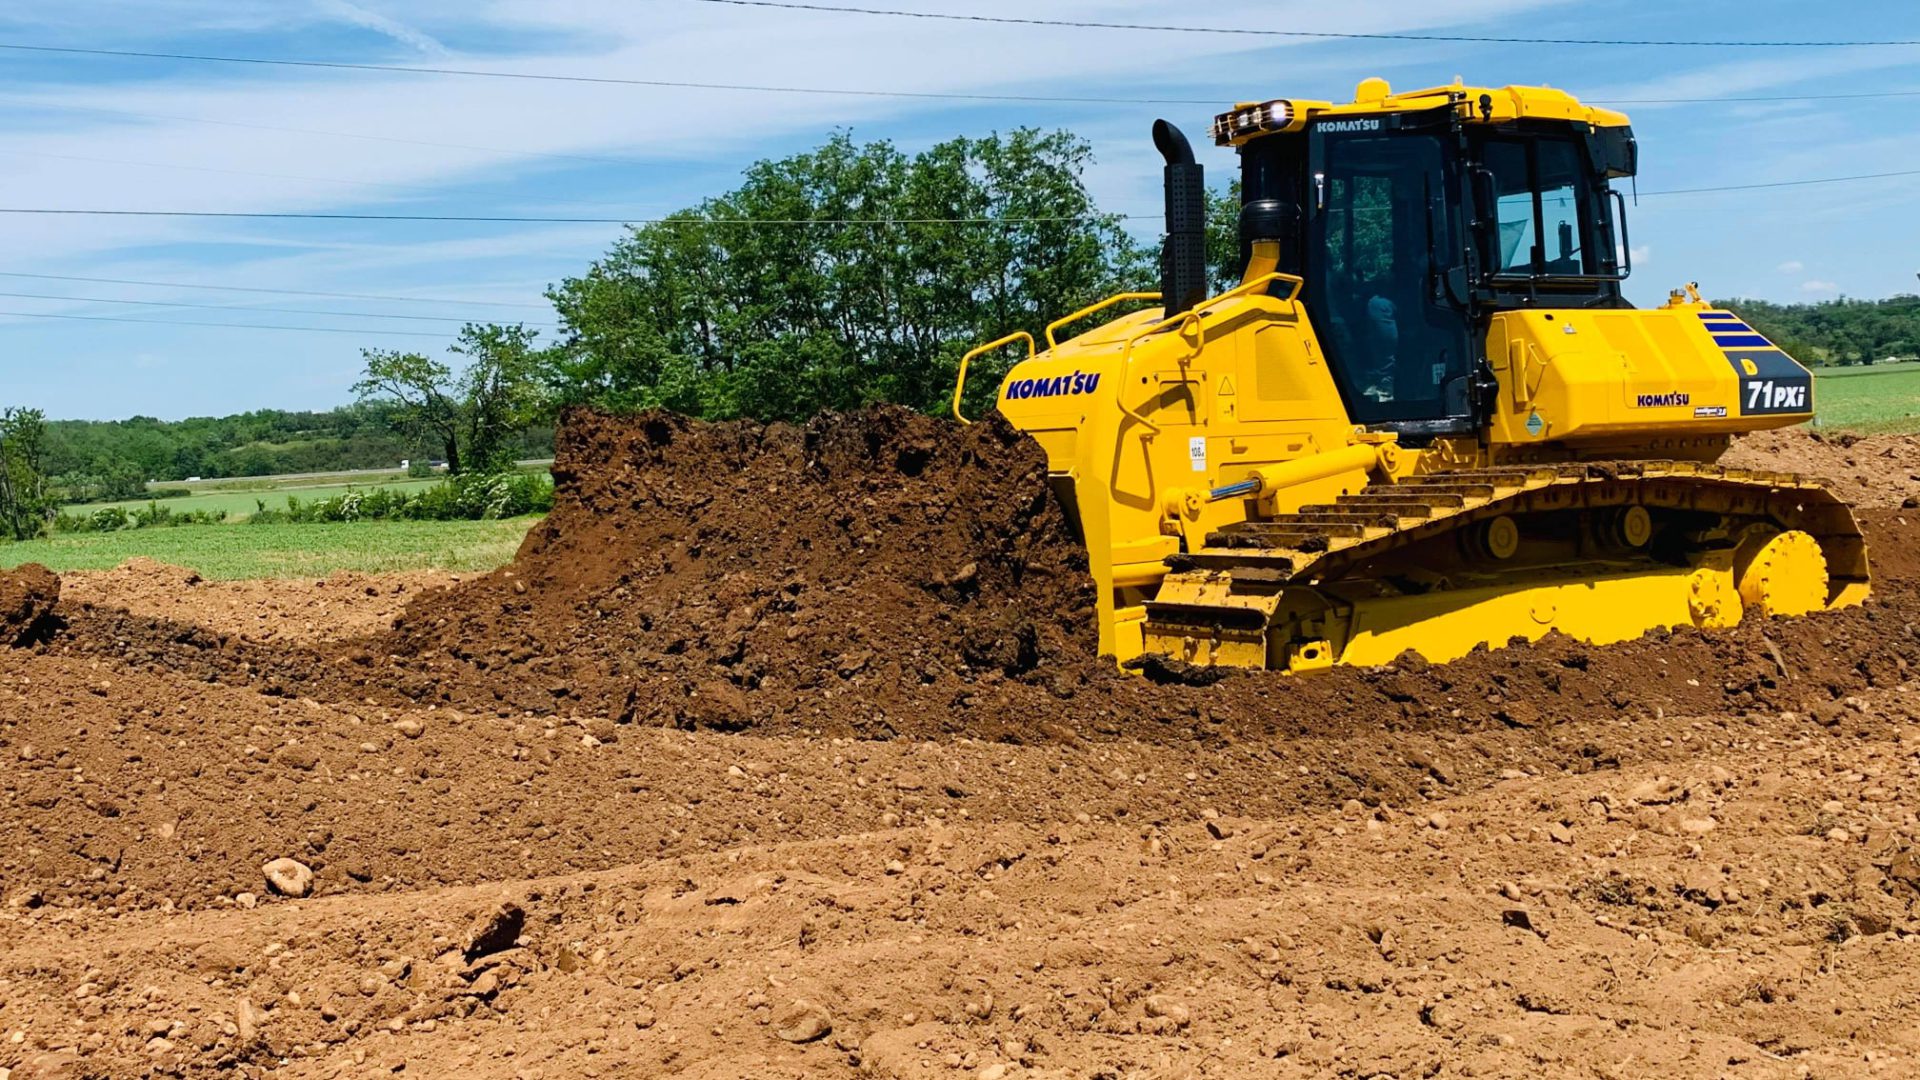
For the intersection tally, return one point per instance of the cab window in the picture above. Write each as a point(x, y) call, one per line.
point(1541, 222)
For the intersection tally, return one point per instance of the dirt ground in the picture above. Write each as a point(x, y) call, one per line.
point(778, 753)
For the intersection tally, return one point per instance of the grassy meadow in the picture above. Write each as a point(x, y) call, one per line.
point(223, 552)
point(1880, 400)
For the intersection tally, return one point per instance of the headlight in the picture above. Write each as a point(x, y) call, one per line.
point(1250, 120)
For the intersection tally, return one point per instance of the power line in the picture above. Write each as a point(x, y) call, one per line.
point(1774, 98)
point(603, 159)
point(1256, 31)
point(243, 309)
point(221, 326)
point(488, 219)
point(600, 80)
point(924, 95)
point(698, 221)
point(273, 292)
point(1783, 183)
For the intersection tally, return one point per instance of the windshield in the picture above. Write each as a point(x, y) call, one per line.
point(1543, 219)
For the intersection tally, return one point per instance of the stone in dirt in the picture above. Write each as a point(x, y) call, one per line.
point(288, 877)
point(498, 930)
point(803, 1022)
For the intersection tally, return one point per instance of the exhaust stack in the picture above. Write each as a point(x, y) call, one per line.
point(1183, 256)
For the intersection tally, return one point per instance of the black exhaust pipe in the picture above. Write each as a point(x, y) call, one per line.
point(1183, 257)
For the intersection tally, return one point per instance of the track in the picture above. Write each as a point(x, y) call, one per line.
point(1229, 597)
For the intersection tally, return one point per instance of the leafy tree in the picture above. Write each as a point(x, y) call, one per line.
point(26, 504)
point(420, 394)
point(499, 390)
point(473, 413)
point(869, 290)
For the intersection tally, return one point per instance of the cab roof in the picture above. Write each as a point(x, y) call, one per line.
point(1480, 104)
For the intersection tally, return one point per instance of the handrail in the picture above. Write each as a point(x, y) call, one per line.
point(1191, 316)
point(1252, 284)
point(1119, 298)
point(960, 383)
point(1126, 361)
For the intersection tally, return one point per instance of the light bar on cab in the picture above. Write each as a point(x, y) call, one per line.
point(1250, 120)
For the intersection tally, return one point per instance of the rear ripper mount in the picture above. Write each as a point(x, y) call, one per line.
point(1444, 563)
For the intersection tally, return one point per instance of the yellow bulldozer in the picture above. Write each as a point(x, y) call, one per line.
point(1426, 418)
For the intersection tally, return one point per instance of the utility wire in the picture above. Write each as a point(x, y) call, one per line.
point(603, 159)
point(295, 216)
point(531, 220)
point(273, 292)
point(923, 95)
point(245, 309)
point(600, 80)
point(1257, 31)
point(220, 325)
point(1782, 183)
point(1773, 98)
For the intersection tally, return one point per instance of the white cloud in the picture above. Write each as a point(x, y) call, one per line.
point(1791, 266)
point(1817, 286)
point(1743, 77)
point(1641, 254)
point(381, 24)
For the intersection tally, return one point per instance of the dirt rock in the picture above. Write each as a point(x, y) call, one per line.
point(288, 877)
point(802, 1021)
point(27, 598)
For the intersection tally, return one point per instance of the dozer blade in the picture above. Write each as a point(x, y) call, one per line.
point(1444, 564)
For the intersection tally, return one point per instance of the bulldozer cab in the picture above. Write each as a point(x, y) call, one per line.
point(1412, 227)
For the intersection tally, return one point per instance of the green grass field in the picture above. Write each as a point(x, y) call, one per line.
point(1879, 400)
point(241, 501)
point(286, 551)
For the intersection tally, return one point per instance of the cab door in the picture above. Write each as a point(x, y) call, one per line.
point(1382, 235)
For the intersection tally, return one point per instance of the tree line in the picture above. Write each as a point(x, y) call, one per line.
point(1843, 331)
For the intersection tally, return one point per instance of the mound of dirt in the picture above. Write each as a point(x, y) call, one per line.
point(1866, 471)
point(706, 574)
point(27, 599)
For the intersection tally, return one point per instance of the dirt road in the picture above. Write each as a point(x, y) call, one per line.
point(691, 793)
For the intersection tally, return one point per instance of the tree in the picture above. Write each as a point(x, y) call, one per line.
point(472, 414)
point(883, 269)
point(26, 506)
point(500, 392)
point(419, 391)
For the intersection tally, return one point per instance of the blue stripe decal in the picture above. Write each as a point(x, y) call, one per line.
point(1730, 328)
point(1712, 315)
point(1742, 341)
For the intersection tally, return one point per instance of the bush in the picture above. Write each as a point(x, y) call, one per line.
point(467, 497)
point(151, 516)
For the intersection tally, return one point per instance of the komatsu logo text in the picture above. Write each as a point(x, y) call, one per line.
point(1080, 382)
point(1663, 401)
point(1349, 125)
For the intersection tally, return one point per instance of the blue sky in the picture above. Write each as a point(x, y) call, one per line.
point(97, 132)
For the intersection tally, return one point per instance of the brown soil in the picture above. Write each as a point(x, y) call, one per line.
point(741, 728)
point(1870, 470)
point(343, 605)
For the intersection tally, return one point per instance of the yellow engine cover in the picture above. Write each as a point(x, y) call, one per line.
point(1641, 379)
